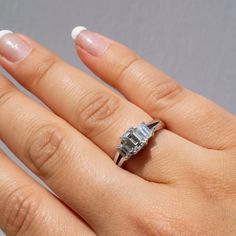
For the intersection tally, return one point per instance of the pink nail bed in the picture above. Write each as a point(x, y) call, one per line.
point(12, 47)
point(91, 42)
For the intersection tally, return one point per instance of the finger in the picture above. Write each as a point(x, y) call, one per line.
point(73, 167)
point(96, 111)
point(28, 209)
point(185, 113)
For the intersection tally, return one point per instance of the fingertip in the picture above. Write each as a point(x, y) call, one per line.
point(4, 32)
point(76, 31)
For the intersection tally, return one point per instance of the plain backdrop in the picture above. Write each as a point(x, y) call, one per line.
point(194, 41)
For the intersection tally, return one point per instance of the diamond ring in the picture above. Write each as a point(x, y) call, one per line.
point(134, 139)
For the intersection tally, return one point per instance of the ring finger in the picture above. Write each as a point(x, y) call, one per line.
point(77, 171)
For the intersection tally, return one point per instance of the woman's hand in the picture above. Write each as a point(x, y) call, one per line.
point(182, 183)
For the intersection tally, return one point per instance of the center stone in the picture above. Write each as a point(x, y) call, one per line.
point(133, 140)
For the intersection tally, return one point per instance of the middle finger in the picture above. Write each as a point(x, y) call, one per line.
point(95, 110)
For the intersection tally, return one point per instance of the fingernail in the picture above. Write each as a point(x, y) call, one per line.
point(12, 47)
point(91, 42)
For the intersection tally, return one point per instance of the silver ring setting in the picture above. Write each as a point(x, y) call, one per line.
point(135, 139)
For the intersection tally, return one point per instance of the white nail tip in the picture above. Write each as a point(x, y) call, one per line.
point(76, 31)
point(4, 32)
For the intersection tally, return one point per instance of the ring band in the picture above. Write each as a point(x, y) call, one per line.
point(135, 139)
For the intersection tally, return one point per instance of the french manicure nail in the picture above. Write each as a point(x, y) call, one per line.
point(91, 42)
point(12, 47)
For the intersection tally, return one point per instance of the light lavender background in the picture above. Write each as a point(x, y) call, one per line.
point(192, 40)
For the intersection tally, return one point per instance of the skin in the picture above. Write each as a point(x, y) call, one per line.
point(183, 183)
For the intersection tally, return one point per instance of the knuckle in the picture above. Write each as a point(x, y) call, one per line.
point(20, 209)
point(96, 112)
point(150, 222)
point(5, 95)
point(127, 65)
point(143, 222)
point(162, 96)
point(45, 149)
point(40, 70)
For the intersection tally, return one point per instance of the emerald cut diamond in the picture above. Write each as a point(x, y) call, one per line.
point(134, 139)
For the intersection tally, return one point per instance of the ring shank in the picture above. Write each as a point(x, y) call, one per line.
point(119, 159)
point(156, 125)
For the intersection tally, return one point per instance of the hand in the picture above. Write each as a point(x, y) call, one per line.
point(182, 183)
